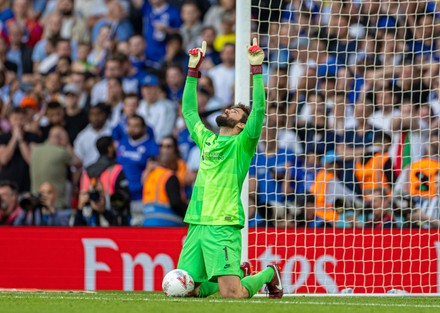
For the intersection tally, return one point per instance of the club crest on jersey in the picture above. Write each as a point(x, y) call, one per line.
point(213, 156)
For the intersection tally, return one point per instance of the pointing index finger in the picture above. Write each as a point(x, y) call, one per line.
point(255, 42)
point(203, 47)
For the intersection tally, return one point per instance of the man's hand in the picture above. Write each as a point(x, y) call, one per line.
point(196, 57)
point(256, 57)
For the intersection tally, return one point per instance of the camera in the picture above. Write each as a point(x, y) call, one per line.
point(94, 195)
point(31, 201)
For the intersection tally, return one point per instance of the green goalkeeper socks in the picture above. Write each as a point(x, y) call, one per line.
point(207, 288)
point(255, 282)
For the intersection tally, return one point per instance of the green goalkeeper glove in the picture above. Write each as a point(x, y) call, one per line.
point(196, 57)
point(256, 57)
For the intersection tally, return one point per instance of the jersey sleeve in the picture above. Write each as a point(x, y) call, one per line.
point(197, 130)
point(252, 131)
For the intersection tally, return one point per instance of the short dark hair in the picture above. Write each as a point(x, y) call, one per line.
point(103, 143)
point(10, 184)
point(103, 107)
point(246, 110)
point(54, 105)
point(138, 117)
point(17, 110)
point(175, 144)
point(131, 95)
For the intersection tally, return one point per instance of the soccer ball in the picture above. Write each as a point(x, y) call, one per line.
point(177, 283)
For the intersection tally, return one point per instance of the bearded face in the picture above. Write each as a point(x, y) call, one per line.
point(224, 121)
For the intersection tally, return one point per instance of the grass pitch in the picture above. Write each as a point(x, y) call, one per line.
point(127, 302)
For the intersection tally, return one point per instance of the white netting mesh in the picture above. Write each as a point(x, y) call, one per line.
point(345, 180)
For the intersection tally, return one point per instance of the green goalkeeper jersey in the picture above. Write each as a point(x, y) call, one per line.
point(224, 161)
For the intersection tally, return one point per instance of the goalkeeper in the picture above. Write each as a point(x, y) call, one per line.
point(212, 250)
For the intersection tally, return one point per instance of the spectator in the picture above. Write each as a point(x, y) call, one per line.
point(223, 75)
point(102, 46)
point(32, 113)
point(157, 111)
point(73, 26)
point(10, 210)
point(51, 161)
point(212, 57)
point(79, 80)
point(286, 137)
point(113, 69)
point(18, 52)
point(52, 87)
point(116, 19)
point(75, 118)
point(411, 135)
point(317, 137)
point(160, 20)
point(192, 26)
point(115, 97)
point(175, 52)
point(136, 48)
point(46, 45)
point(130, 107)
point(133, 153)
point(80, 63)
point(377, 212)
point(55, 117)
point(227, 34)
point(112, 179)
point(162, 196)
point(215, 13)
point(175, 81)
point(85, 142)
point(15, 151)
point(31, 30)
point(62, 49)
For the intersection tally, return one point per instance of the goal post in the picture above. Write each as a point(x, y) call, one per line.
point(347, 170)
point(242, 93)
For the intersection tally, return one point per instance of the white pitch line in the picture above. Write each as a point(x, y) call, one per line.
point(193, 300)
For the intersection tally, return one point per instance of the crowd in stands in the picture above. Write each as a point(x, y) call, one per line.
point(91, 132)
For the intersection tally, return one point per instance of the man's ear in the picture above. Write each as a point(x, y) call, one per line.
point(240, 125)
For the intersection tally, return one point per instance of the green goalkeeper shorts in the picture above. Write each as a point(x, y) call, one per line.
point(211, 251)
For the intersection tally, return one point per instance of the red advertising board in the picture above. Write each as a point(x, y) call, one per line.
point(137, 258)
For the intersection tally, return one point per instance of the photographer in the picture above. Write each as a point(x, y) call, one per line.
point(92, 207)
point(40, 209)
point(113, 186)
point(9, 207)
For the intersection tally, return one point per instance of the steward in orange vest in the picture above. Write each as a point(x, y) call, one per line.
point(422, 174)
point(375, 169)
point(162, 197)
point(327, 189)
point(374, 172)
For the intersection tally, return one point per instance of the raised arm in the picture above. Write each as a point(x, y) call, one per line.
point(254, 124)
point(190, 110)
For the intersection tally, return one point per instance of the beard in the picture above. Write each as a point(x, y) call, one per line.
point(66, 12)
point(136, 136)
point(224, 121)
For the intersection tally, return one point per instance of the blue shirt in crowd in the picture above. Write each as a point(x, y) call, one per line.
point(133, 156)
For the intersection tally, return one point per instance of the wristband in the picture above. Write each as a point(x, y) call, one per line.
point(256, 69)
point(193, 72)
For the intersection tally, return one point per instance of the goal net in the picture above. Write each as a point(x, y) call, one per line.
point(344, 188)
